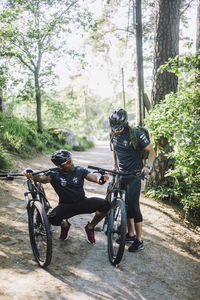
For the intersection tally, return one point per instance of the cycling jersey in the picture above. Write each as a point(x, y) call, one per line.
point(128, 159)
point(69, 187)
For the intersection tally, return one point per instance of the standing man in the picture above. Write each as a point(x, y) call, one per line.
point(129, 160)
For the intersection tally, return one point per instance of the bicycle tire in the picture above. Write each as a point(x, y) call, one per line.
point(39, 233)
point(116, 233)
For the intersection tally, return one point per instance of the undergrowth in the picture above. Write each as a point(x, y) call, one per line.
point(20, 137)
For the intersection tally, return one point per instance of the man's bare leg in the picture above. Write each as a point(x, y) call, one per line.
point(138, 230)
point(131, 226)
point(134, 228)
point(97, 218)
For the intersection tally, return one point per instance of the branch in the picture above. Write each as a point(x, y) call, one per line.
point(12, 54)
point(26, 51)
point(53, 24)
point(188, 5)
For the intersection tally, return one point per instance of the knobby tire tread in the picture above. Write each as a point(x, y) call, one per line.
point(37, 205)
point(122, 233)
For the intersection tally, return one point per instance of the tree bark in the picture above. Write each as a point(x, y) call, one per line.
point(198, 27)
point(140, 75)
point(166, 46)
point(1, 101)
point(38, 103)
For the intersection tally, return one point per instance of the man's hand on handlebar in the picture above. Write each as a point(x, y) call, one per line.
point(103, 179)
point(28, 173)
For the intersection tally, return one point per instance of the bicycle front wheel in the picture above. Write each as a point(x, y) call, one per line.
point(40, 233)
point(116, 233)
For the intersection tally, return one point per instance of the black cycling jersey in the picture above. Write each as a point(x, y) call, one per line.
point(129, 159)
point(69, 187)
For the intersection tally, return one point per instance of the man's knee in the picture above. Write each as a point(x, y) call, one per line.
point(105, 207)
point(54, 219)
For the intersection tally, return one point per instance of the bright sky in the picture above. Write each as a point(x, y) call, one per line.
point(98, 77)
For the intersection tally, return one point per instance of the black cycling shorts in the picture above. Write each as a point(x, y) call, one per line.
point(68, 210)
point(132, 201)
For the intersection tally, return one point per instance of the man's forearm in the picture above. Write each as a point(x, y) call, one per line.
point(114, 159)
point(41, 178)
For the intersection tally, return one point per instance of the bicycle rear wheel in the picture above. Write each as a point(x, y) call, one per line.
point(116, 233)
point(39, 233)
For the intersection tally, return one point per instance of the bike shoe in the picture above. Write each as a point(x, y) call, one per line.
point(90, 235)
point(136, 246)
point(64, 232)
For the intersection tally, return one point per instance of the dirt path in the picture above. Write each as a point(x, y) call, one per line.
point(168, 267)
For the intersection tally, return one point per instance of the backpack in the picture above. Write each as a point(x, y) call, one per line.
point(134, 140)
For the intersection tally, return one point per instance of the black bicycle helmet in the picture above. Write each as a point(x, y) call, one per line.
point(118, 119)
point(60, 156)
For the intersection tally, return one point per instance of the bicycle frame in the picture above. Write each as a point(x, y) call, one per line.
point(115, 222)
point(37, 192)
point(39, 226)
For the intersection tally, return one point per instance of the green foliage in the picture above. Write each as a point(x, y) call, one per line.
point(21, 137)
point(63, 110)
point(177, 118)
point(4, 159)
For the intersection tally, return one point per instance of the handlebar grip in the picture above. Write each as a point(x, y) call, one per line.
point(92, 167)
point(10, 175)
point(101, 180)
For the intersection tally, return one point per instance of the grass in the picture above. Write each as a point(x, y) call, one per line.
point(20, 137)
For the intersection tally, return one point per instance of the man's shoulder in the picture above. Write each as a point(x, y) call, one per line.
point(77, 168)
point(142, 136)
point(139, 135)
point(81, 169)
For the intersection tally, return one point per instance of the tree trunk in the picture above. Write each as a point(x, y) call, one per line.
point(166, 45)
point(140, 75)
point(38, 104)
point(1, 103)
point(123, 90)
point(198, 27)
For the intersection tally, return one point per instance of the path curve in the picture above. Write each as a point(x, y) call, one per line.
point(168, 267)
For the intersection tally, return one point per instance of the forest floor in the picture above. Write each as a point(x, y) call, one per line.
point(167, 269)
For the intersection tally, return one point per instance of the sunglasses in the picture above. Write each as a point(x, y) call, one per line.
point(67, 162)
point(118, 131)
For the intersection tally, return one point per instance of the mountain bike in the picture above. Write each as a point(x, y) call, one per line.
point(115, 222)
point(37, 206)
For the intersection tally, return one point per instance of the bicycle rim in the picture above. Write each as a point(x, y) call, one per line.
point(40, 234)
point(116, 233)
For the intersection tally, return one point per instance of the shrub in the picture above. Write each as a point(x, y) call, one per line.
point(21, 137)
point(177, 118)
point(4, 159)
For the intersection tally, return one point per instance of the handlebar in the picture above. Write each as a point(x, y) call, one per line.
point(103, 171)
point(12, 176)
point(125, 176)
